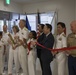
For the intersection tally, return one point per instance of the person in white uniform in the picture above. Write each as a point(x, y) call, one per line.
point(32, 53)
point(1, 53)
point(5, 39)
point(22, 52)
point(13, 51)
point(61, 42)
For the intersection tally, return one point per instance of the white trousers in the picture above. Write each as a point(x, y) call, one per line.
point(62, 63)
point(32, 62)
point(23, 59)
point(13, 56)
point(6, 56)
point(1, 61)
point(54, 67)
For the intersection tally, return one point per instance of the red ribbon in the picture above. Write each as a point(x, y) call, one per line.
point(60, 49)
point(28, 45)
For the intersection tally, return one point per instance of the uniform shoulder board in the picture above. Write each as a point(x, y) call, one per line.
point(60, 39)
point(71, 35)
point(25, 28)
point(75, 36)
point(7, 33)
point(64, 35)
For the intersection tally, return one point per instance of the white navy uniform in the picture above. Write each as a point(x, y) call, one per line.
point(61, 56)
point(32, 58)
point(22, 52)
point(5, 40)
point(1, 56)
point(13, 55)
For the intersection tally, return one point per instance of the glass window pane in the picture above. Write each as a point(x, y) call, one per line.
point(22, 16)
point(32, 21)
point(47, 18)
point(1, 25)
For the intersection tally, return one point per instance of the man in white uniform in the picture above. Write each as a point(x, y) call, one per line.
point(22, 53)
point(5, 40)
point(61, 43)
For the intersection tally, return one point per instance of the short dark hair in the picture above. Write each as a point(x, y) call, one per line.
point(16, 27)
point(4, 25)
point(42, 25)
point(49, 26)
point(0, 33)
point(34, 34)
point(62, 24)
point(23, 21)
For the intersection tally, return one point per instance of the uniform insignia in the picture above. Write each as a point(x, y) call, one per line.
point(64, 35)
point(2, 41)
point(22, 33)
point(25, 28)
point(60, 39)
point(72, 36)
point(75, 36)
point(7, 33)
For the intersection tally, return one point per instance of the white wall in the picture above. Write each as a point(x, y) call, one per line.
point(65, 8)
point(67, 13)
point(13, 7)
point(75, 9)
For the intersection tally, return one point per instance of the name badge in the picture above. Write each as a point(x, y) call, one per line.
point(60, 39)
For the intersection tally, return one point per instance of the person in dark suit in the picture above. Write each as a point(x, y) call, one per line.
point(39, 40)
point(46, 55)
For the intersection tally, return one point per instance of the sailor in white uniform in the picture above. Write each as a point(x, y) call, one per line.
point(13, 51)
point(22, 52)
point(32, 53)
point(5, 39)
point(61, 42)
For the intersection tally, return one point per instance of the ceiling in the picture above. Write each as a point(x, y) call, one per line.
point(28, 1)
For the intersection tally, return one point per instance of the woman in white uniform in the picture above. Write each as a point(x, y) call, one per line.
point(61, 42)
point(32, 53)
point(13, 51)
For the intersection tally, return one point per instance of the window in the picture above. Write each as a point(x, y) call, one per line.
point(3, 22)
point(47, 18)
point(44, 18)
point(22, 16)
point(32, 21)
point(32, 18)
point(1, 25)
